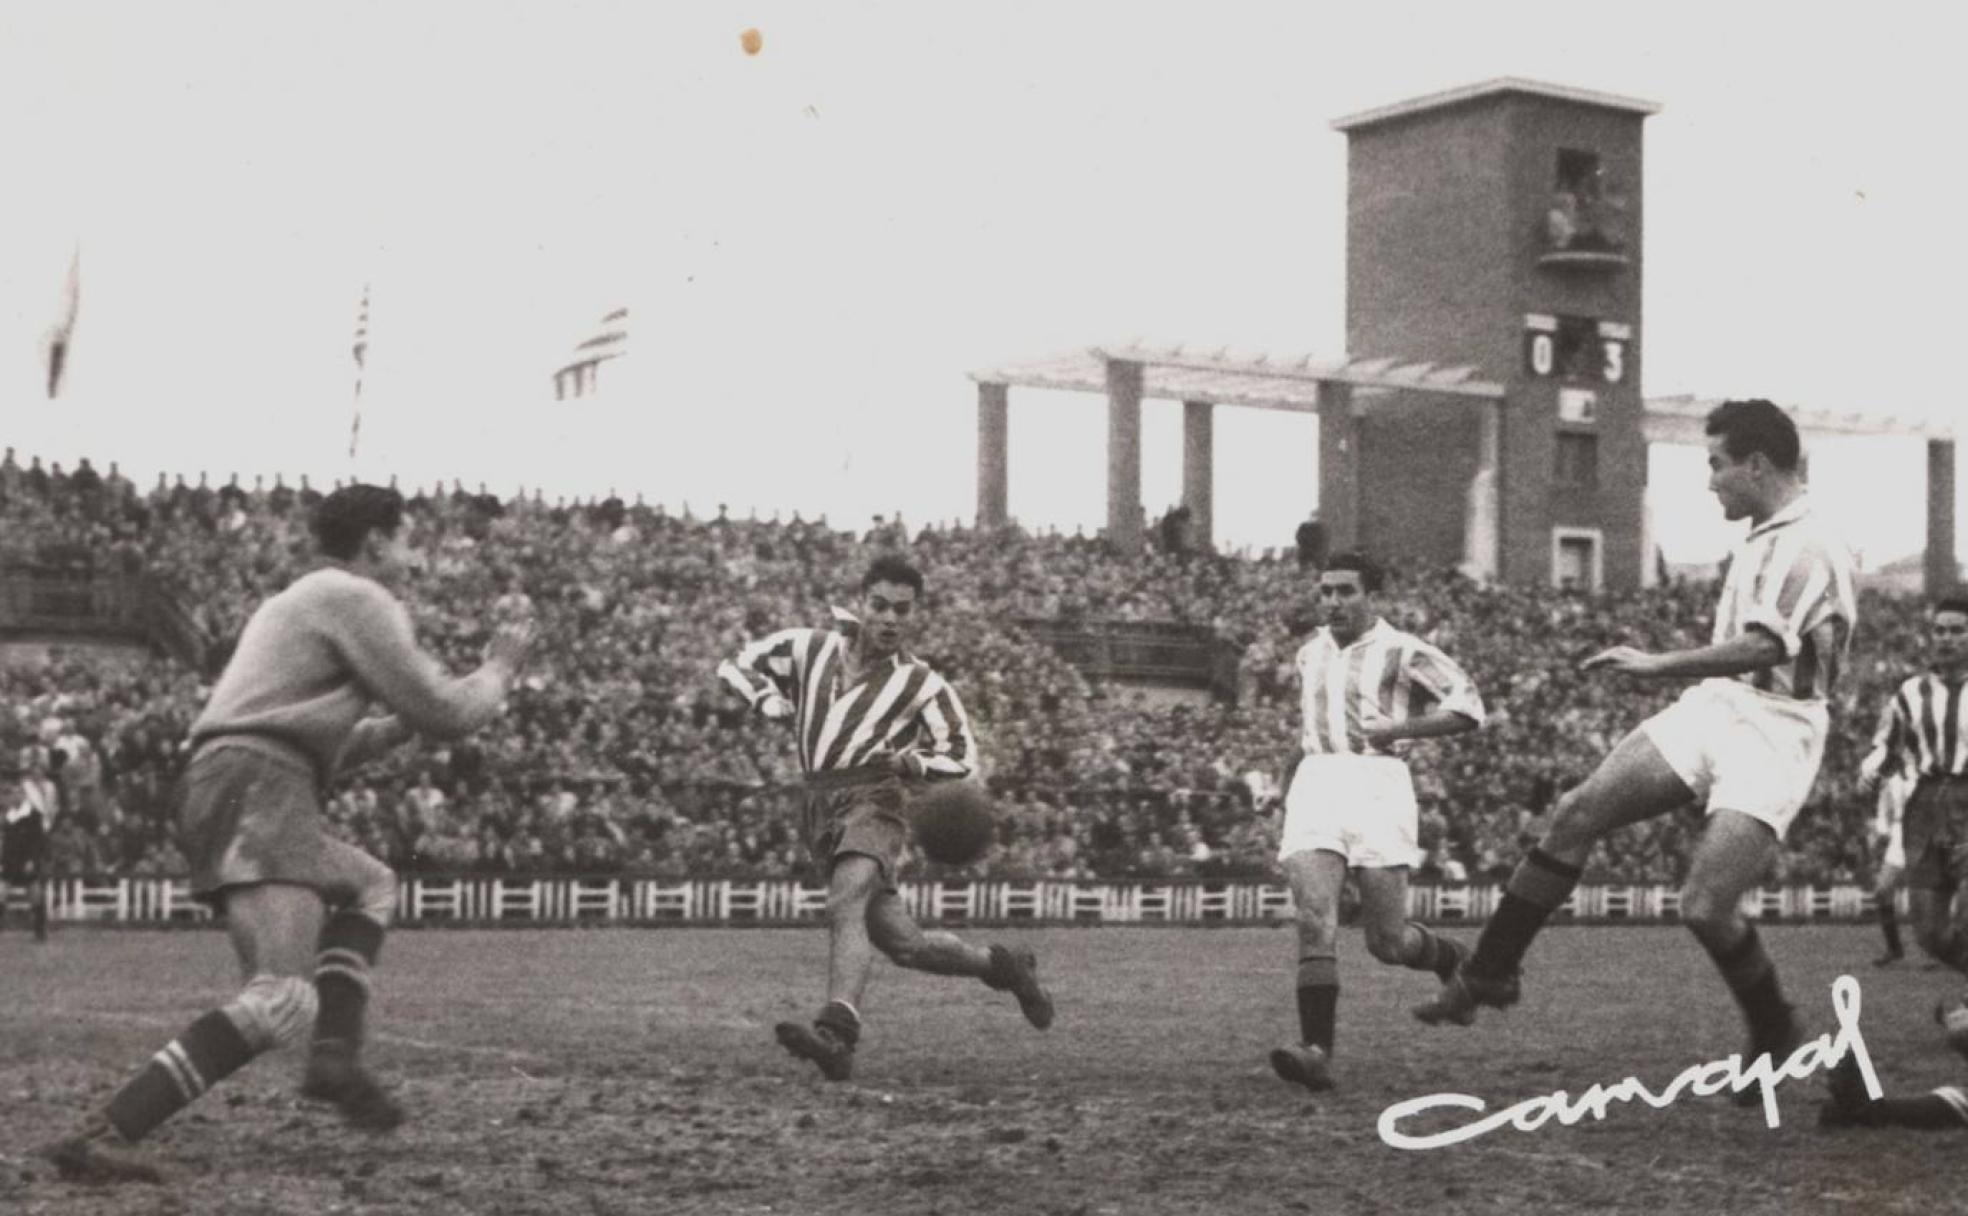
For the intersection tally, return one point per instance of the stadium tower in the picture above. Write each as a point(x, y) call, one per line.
point(1498, 226)
point(1488, 412)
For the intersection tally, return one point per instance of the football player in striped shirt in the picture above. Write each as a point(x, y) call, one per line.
point(872, 722)
point(1368, 688)
point(1746, 741)
point(1923, 735)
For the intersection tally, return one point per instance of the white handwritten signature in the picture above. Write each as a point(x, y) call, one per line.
point(1702, 1079)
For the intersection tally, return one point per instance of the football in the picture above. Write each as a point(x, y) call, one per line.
point(953, 823)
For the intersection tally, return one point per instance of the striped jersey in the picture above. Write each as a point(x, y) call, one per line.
point(1789, 578)
point(1922, 731)
point(1385, 676)
point(897, 707)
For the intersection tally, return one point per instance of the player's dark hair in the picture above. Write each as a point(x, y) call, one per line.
point(889, 568)
point(347, 517)
point(1756, 425)
point(1950, 603)
point(1371, 575)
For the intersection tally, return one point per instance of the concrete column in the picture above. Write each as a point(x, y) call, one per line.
point(1339, 465)
point(1942, 570)
point(993, 456)
point(1124, 454)
point(1199, 470)
point(1483, 512)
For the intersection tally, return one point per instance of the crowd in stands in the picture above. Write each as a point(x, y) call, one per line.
point(621, 753)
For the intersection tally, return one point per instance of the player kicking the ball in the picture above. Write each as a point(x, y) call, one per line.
point(1368, 688)
point(872, 721)
point(306, 912)
point(1746, 741)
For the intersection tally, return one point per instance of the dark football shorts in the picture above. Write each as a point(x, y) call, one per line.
point(252, 815)
point(24, 850)
point(861, 813)
point(1936, 834)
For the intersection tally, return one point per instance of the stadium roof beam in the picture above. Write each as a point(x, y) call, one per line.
point(1201, 379)
point(1681, 419)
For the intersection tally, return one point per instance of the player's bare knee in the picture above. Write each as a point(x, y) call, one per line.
point(1316, 924)
point(1709, 915)
point(895, 936)
point(850, 893)
point(273, 1010)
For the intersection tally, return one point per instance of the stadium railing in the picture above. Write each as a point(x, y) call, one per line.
point(82, 602)
point(1154, 652)
point(631, 900)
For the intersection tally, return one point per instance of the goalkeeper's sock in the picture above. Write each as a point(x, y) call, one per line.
point(1318, 1000)
point(1889, 925)
point(210, 1050)
point(349, 944)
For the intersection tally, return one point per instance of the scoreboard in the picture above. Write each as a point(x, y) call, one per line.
point(1577, 349)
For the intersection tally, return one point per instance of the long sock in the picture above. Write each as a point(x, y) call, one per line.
point(1318, 1000)
point(349, 944)
point(1889, 924)
point(843, 1019)
point(1539, 887)
point(1945, 1107)
point(210, 1050)
point(1426, 952)
point(1752, 978)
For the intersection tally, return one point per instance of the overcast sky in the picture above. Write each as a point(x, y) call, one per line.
point(819, 241)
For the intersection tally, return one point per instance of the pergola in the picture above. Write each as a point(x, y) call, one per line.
point(1337, 393)
point(1201, 379)
point(1679, 419)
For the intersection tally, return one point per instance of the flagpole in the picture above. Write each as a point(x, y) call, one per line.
point(361, 352)
point(61, 335)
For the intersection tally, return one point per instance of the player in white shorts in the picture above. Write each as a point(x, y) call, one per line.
point(1368, 688)
point(1745, 742)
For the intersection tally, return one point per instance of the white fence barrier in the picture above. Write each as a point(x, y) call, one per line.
point(560, 900)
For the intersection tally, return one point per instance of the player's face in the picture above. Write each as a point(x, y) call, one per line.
point(888, 617)
point(1949, 637)
point(1348, 607)
point(1732, 481)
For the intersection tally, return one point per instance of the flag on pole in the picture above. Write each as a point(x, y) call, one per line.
point(579, 376)
point(361, 352)
point(61, 334)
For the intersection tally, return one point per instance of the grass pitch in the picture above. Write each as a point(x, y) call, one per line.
point(563, 1071)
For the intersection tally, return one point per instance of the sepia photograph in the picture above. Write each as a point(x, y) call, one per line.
point(1075, 610)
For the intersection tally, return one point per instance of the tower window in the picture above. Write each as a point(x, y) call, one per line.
point(1587, 211)
point(1578, 461)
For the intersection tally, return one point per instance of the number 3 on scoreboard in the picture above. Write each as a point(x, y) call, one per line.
point(1614, 368)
